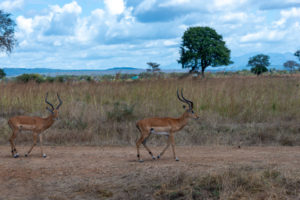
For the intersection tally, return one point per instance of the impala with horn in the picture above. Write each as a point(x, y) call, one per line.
point(164, 126)
point(35, 124)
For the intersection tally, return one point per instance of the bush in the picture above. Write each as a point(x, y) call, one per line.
point(121, 112)
point(25, 78)
point(50, 79)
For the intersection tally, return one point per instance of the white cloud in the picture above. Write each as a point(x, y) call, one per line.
point(11, 5)
point(234, 17)
point(286, 15)
point(72, 7)
point(227, 4)
point(145, 6)
point(25, 25)
point(264, 35)
point(115, 7)
point(174, 3)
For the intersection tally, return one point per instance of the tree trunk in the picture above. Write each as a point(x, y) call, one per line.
point(202, 71)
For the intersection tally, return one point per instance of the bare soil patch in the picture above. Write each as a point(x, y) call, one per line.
point(79, 172)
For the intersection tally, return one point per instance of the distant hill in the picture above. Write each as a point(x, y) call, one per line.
point(11, 72)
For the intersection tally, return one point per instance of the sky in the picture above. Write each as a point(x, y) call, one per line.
point(101, 34)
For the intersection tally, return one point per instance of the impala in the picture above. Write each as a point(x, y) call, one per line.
point(164, 126)
point(35, 124)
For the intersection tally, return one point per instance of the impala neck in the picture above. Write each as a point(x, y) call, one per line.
point(49, 121)
point(183, 120)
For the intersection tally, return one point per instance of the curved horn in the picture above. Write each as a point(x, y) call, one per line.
point(60, 102)
point(191, 104)
point(52, 107)
point(179, 97)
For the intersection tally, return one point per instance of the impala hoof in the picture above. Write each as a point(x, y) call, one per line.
point(158, 157)
point(153, 157)
point(44, 155)
point(16, 155)
point(141, 161)
point(26, 155)
point(177, 159)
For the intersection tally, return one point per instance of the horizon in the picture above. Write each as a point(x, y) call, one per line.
point(99, 35)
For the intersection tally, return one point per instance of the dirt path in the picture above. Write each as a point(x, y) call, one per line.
point(73, 172)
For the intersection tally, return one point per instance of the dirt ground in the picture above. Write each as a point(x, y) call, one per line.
point(73, 172)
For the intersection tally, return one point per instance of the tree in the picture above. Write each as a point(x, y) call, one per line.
point(259, 63)
point(2, 74)
point(291, 65)
point(7, 32)
point(297, 54)
point(203, 47)
point(153, 67)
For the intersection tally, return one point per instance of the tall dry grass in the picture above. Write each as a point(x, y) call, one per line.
point(233, 110)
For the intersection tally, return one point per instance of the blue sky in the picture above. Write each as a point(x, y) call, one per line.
point(100, 34)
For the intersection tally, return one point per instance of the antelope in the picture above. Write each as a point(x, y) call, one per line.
point(164, 126)
point(35, 124)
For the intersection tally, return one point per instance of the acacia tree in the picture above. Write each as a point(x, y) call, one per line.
point(153, 67)
point(259, 64)
point(7, 32)
point(202, 47)
point(291, 65)
point(7, 35)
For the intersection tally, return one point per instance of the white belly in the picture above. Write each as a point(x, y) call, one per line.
point(26, 127)
point(159, 132)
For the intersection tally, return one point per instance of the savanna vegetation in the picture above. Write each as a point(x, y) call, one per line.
point(234, 110)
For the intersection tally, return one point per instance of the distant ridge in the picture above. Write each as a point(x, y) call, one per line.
point(12, 72)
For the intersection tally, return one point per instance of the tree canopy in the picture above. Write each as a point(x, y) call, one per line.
point(297, 54)
point(2, 73)
point(7, 32)
point(291, 65)
point(259, 63)
point(202, 47)
point(153, 67)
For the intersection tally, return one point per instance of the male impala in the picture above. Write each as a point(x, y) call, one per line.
point(35, 124)
point(164, 126)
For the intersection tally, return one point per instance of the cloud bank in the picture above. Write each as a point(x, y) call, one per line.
point(130, 33)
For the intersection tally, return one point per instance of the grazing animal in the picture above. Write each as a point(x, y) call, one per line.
point(164, 126)
point(35, 124)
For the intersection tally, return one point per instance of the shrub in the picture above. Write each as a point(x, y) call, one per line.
point(50, 79)
point(25, 78)
point(120, 112)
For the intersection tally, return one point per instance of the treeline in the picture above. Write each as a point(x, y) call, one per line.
point(38, 78)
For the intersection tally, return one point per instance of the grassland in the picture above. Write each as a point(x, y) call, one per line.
point(233, 110)
point(91, 153)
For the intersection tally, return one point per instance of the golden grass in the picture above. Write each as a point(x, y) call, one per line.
point(244, 182)
point(233, 109)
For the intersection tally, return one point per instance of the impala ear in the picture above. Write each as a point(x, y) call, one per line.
point(183, 106)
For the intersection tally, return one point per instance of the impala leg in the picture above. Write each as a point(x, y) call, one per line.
point(162, 153)
point(12, 144)
point(138, 143)
point(41, 146)
point(173, 147)
point(34, 143)
point(144, 143)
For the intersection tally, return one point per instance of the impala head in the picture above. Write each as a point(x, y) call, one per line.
point(190, 112)
point(53, 110)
